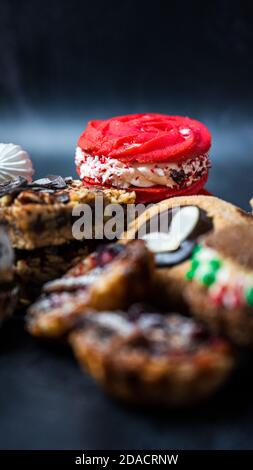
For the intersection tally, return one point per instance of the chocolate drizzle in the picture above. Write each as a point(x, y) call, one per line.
point(178, 176)
point(13, 186)
point(50, 184)
point(172, 258)
point(205, 225)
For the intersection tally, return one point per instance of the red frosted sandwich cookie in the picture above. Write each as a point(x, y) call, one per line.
point(156, 155)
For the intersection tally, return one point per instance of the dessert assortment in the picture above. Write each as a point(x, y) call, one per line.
point(160, 316)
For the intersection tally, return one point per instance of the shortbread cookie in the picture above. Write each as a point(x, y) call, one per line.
point(151, 358)
point(220, 288)
point(188, 218)
point(110, 278)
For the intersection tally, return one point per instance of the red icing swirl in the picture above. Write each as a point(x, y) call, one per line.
point(146, 138)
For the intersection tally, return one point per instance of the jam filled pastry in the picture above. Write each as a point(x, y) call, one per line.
point(172, 228)
point(111, 278)
point(220, 282)
point(8, 291)
point(149, 358)
point(156, 155)
point(33, 268)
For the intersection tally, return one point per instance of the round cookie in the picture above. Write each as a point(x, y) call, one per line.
point(152, 358)
point(220, 288)
point(156, 155)
point(214, 214)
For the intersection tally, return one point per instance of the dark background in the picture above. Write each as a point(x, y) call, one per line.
point(62, 63)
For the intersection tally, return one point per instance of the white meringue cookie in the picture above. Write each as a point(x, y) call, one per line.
point(14, 161)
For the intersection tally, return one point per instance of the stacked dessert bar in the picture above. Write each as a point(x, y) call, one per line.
point(38, 217)
point(8, 291)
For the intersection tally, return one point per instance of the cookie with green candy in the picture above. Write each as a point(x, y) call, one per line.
point(220, 282)
point(171, 230)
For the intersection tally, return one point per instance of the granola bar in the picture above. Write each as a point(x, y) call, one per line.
point(39, 214)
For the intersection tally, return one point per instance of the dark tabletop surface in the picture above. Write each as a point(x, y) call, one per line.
point(46, 402)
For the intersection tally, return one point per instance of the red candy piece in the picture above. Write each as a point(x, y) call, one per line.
point(146, 138)
point(157, 193)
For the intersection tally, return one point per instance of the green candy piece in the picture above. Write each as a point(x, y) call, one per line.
point(196, 249)
point(195, 264)
point(208, 278)
point(190, 274)
point(215, 264)
point(249, 296)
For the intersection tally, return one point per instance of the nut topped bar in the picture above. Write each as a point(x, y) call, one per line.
point(39, 214)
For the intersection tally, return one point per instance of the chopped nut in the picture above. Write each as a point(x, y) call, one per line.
point(6, 200)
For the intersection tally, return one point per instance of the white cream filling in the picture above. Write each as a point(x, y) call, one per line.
point(122, 175)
